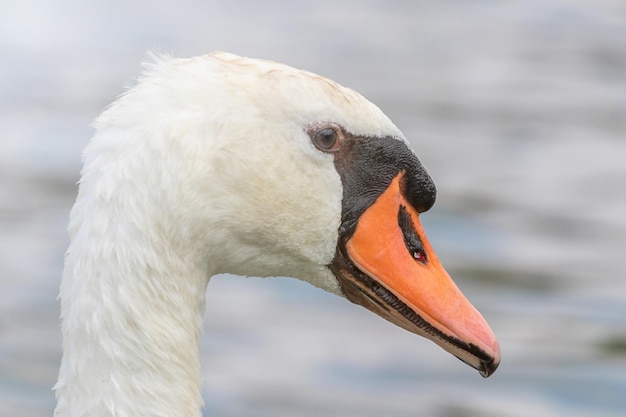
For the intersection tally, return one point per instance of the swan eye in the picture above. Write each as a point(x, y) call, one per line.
point(327, 139)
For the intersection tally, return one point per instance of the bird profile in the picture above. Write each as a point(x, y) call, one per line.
point(224, 164)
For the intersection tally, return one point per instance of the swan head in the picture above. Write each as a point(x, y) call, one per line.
point(260, 169)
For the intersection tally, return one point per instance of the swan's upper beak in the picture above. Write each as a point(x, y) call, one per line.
point(388, 266)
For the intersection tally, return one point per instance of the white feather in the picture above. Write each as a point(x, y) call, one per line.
point(203, 167)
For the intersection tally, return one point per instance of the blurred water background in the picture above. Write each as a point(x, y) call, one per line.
point(517, 109)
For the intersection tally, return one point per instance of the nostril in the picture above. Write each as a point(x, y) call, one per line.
point(411, 238)
point(419, 256)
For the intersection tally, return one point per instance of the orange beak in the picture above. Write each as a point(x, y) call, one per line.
point(399, 277)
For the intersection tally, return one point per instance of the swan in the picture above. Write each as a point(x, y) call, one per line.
point(225, 164)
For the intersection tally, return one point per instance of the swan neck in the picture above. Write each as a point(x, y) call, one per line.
point(132, 305)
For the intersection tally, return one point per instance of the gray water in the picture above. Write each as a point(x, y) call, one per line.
point(517, 109)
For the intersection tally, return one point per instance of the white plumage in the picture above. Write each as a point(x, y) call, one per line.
point(222, 164)
point(203, 167)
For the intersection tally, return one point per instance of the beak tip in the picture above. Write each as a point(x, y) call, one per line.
point(488, 368)
point(492, 350)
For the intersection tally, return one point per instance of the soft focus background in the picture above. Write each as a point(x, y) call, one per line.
point(518, 110)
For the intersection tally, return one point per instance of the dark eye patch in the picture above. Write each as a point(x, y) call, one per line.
point(411, 238)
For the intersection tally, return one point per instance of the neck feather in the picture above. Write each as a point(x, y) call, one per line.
point(132, 303)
